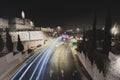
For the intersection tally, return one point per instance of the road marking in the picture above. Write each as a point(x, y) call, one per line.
point(51, 73)
point(62, 71)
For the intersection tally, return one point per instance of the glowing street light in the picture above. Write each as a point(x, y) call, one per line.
point(31, 23)
point(58, 27)
point(78, 29)
point(64, 32)
point(103, 28)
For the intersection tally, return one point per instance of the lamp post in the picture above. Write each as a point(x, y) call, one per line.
point(58, 29)
point(78, 30)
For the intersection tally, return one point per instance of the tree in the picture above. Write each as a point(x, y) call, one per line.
point(20, 46)
point(92, 41)
point(9, 43)
point(93, 35)
point(1, 44)
point(107, 34)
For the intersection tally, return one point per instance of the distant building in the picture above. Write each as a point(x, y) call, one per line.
point(20, 24)
point(47, 29)
point(37, 28)
point(3, 24)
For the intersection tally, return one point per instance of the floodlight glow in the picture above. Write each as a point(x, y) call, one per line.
point(114, 30)
point(23, 14)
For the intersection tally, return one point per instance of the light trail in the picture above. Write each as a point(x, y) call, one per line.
point(42, 69)
point(18, 71)
point(32, 59)
point(38, 65)
point(49, 53)
point(41, 58)
point(30, 66)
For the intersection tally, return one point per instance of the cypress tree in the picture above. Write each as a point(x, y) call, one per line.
point(107, 34)
point(92, 41)
point(9, 43)
point(20, 46)
point(93, 35)
point(1, 44)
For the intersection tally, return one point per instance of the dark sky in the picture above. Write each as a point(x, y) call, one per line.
point(47, 13)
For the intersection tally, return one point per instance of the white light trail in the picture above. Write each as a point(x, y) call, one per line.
point(42, 69)
point(43, 58)
point(20, 69)
point(29, 66)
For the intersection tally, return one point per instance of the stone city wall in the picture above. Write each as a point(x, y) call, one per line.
point(94, 71)
point(28, 38)
point(3, 23)
point(10, 61)
point(27, 35)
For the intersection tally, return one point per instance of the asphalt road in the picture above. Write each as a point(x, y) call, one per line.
point(54, 62)
point(61, 65)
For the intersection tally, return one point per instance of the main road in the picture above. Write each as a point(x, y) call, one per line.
point(54, 62)
point(61, 64)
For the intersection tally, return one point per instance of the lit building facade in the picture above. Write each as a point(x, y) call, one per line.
point(3, 24)
point(20, 24)
point(47, 29)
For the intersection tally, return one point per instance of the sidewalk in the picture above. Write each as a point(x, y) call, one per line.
point(83, 72)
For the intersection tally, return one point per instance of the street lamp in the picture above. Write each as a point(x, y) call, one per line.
point(31, 23)
point(103, 28)
point(58, 28)
point(78, 30)
point(64, 32)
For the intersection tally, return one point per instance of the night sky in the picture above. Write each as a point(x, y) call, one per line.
point(67, 14)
